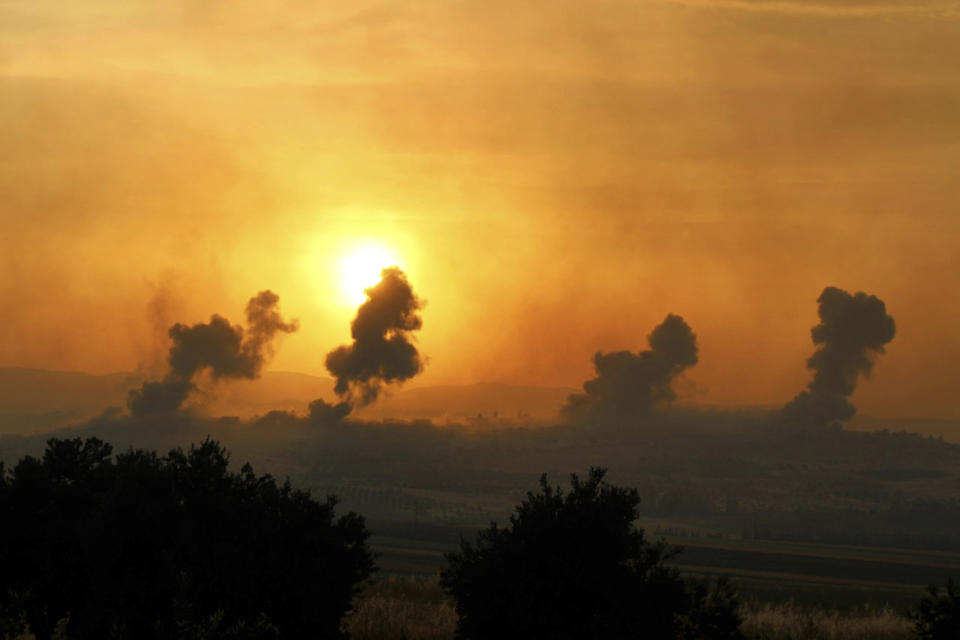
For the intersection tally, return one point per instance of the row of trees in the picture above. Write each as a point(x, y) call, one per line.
point(572, 565)
point(143, 546)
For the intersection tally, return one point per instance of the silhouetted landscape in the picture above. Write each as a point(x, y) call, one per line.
point(789, 503)
point(460, 320)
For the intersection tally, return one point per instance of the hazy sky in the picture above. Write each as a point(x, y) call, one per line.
point(555, 177)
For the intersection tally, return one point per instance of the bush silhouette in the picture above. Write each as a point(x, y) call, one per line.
point(573, 566)
point(937, 617)
point(143, 546)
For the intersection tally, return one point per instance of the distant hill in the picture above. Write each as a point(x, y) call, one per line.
point(37, 400)
point(290, 391)
point(34, 401)
point(948, 429)
point(31, 390)
point(483, 401)
point(274, 391)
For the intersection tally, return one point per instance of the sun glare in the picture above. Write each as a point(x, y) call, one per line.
point(361, 269)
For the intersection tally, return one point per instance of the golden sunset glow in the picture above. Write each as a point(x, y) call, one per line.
point(361, 269)
point(416, 254)
point(550, 188)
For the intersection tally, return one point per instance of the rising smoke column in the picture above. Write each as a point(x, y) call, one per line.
point(323, 412)
point(630, 385)
point(382, 351)
point(853, 329)
point(228, 351)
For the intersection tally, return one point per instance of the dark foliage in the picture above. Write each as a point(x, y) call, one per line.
point(574, 566)
point(143, 546)
point(937, 617)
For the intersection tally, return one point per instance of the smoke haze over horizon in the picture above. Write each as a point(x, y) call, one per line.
point(382, 351)
point(631, 386)
point(853, 330)
point(228, 352)
point(554, 178)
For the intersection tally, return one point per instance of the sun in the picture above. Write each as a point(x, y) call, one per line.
point(360, 269)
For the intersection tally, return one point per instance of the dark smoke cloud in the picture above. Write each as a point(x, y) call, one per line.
point(263, 323)
point(853, 329)
point(159, 397)
point(322, 412)
point(630, 385)
point(227, 351)
point(382, 351)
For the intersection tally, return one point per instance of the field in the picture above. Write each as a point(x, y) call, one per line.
point(790, 590)
point(832, 537)
point(415, 608)
point(834, 576)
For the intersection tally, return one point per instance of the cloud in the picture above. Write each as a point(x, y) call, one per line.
point(631, 385)
point(323, 412)
point(853, 329)
point(161, 396)
point(382, 351)
point(226, 351)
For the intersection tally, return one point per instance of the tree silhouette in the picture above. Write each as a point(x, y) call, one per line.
point(573, 566)
point(937, 617)
point(143, 546)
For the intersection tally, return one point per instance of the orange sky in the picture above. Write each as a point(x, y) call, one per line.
point(555, 176)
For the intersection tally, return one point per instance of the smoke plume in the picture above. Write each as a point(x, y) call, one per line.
point(382, 351)
point(629, 385)
point(853, 329)
point(322, 412)
point(227, 351)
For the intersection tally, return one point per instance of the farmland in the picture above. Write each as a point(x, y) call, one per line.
point(765, 571)
point(415, 608)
